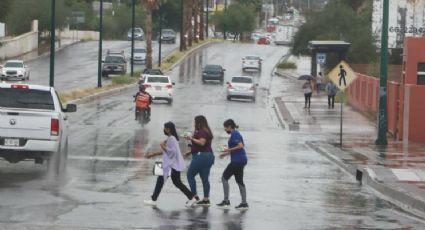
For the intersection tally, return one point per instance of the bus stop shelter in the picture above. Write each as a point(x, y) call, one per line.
point(316, 47)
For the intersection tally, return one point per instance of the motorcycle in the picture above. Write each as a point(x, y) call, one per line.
point(142, 116)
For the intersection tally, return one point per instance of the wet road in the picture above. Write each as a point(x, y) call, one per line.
point(289, 185)
point(76, 66)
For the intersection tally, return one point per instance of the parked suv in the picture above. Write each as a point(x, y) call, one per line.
point(33, 125)
point(114, 63)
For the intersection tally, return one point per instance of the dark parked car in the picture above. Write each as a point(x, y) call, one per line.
point(114, 63)
point(213, 73)
point(168, 36)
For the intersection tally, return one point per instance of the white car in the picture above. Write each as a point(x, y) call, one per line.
point(242, 87)
point(251, 62)
point(140, 55)
point(15, 70)
point(160, 87)
point(33, 125)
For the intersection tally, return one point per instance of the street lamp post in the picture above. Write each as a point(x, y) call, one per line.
point(225, 11)
point(160, 35)
point(99, 64)
point(52, 43)
point(133, 19)
point(382, 117)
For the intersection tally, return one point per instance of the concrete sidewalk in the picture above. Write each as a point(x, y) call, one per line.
point(396, 172)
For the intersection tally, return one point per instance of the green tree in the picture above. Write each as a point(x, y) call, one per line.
point(4, 9)
point(340, 20)
point(238, 19)
point(117, 25)
point(22, 12)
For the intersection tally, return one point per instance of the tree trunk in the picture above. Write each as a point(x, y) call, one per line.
point(183, 42)
point(189, 22)
point(201, 20)
point(148, 34)
point(196, 18)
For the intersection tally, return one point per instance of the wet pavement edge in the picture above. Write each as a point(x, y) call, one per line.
point(369, 175)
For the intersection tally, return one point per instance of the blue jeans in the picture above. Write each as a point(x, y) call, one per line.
point(201, 164)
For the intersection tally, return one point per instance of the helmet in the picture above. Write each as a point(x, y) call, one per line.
point(142, 87)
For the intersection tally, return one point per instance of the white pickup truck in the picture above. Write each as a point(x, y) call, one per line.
point(33, 125)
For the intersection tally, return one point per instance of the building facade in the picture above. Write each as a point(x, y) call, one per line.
point(406, 19)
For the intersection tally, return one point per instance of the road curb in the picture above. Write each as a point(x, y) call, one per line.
point(366, 176)
point(113, 91)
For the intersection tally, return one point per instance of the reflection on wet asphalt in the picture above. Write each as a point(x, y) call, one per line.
point(289, 185)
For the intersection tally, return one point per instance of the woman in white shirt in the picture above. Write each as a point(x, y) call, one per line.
point(308, 91)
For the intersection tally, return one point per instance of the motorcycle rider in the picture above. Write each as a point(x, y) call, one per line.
point(143, 101)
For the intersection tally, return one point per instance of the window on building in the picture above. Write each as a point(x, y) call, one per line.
point(421, 73)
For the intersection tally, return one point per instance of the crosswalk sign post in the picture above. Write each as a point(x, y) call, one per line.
point(342, 76)
point(321, 58)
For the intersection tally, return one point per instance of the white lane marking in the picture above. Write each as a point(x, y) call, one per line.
point(406, 175)
point(102, 158)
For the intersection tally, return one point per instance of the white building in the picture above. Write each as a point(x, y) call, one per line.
point(406, 19)
point(2, 30)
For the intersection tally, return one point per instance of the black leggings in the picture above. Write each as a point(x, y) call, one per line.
point(307, 99)
point(331, 101)
point(235, 169)
point(175, 177)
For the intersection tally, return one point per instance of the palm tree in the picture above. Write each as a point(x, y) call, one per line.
point(149, 6)
point(189, 16)
point(201, 19)
point(196, 18)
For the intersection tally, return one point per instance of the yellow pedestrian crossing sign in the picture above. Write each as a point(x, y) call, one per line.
point(342, 75)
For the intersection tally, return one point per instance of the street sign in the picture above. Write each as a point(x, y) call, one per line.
point(78, 17)
point(342, 75)
point(321, 58)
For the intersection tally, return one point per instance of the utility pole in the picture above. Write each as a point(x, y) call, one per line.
point(52, 42)
point(382, 117)
point(99, 64)
point(133, 19)
point(160, 34)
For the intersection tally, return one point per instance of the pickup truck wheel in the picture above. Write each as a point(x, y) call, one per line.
point(56, 164)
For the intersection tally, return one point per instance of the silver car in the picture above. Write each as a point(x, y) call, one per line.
point(252, 62)
point(138, 34)
point(15, 70)
point(241, 87)
point(139, 55)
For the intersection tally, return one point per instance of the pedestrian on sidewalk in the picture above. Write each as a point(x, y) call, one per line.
point(331, 89)
point(308, 91)
point(172, 161)
point(202, 158)
point(319, 79)
point(238, 161)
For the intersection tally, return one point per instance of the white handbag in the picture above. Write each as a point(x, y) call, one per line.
point(157, 169)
